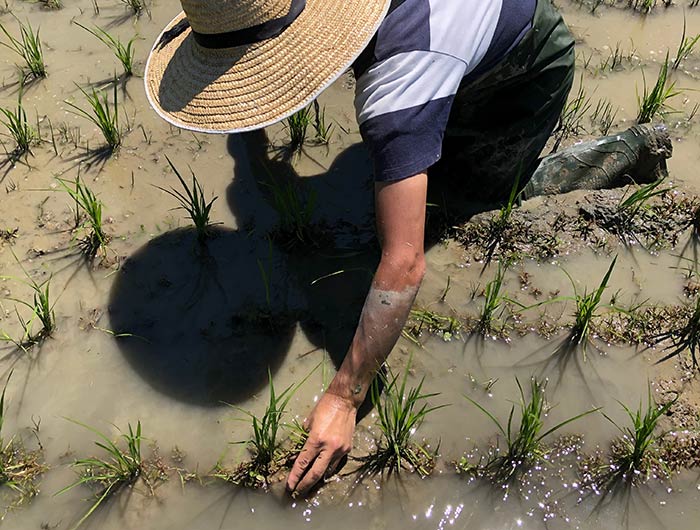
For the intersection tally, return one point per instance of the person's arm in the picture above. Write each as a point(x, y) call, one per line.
point(400, 211)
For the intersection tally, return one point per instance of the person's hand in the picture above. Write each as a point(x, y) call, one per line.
point(330, 425)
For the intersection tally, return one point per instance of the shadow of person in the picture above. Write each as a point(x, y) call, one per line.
point(191, 321)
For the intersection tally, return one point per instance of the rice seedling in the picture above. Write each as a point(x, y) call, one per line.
point(322, 129)
point(635, 455)
point(123, 52)
point(401, 411)
point(295, 207)
point(51, 4)
point(587, 306)
point(28, 47)
point(19, 468)
point(113, 471)
point(265, 445)
point(604, 116)
point(87, 203)
point(42, 312)
point(136, 6)
point(524, 447)
point(653, 102)
point(193, 201)
point(685, 47)
point(103, 115)
point(297, 124)
point(683, 337)
point(571, 119)
point(19, 129)
point(630, 205)
point(494, 304)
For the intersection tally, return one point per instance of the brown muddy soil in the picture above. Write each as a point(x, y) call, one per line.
point(163, 331)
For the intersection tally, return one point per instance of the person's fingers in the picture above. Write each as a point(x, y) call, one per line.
point(302, 462)
point(314, 473)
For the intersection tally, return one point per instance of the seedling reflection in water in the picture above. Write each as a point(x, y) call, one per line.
point(525, 447)
point(116, 469)
point(400, 411)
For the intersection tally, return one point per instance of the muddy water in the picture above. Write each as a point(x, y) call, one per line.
point(196, 340)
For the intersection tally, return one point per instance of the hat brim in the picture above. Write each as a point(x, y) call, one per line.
point(248, 87)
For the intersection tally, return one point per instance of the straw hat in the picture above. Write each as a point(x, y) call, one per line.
point(226, 66)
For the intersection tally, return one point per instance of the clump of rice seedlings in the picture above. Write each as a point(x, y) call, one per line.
point(87, 203)
point(23, 134)
point(114, 470)
point(103, 115)
point(322, 129)
point(297, 125)
point(571, 119)
point(494, 304)
point(19, 468)
point(524, 447)
point(193, 201)
point(587, 307)
point(136, 6)
point(51, 4)
point(268, 456)
point(445, 326)
point(8, 235)
point(42, 313)
point(635, 455)
point(630, 206)
point(123, 52)
point(653, 102)
point(684, 337)
point(295, 207)
point(604, 116)
point(28, 47)
point(685, 47)
point(401, 411)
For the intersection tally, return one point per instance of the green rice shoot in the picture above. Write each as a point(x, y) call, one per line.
point(102, 114)
point(653, 101)
point(23, 134)
point(113, 470)
point(297, 126)
point(193, 201)
point(123, 52)
point(87, 204)
point(28, 47)
point(524, 447)
point(683, 338)
point(685, 46)
point(401, 410)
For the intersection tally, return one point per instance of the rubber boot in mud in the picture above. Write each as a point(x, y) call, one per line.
point(637, 155)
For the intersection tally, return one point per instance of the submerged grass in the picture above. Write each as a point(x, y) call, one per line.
point(102, 114)
point(87, 203)
point(114, 470)
point(193, 201)
point(28, 47)
point(524, 447)
point(401, 411)
point(123, 52)
point(265, 445)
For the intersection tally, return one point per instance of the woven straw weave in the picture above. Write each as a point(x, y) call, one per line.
point(252, 86)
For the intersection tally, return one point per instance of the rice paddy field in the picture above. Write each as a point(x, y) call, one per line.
point(154, 283)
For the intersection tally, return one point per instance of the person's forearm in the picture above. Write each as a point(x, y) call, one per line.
point(383, 317)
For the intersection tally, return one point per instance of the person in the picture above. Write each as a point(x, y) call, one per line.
point(467, 91)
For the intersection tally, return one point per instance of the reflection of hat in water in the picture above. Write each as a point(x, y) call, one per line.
point(235, 65)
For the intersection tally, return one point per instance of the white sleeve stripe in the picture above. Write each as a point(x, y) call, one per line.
point(407, 80)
